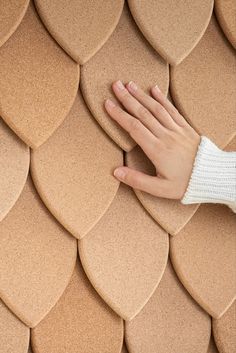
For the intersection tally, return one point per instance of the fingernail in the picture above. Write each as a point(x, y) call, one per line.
point(119, 173)
point(110, 104)
point(156, 88)
point(132, 86)
point(120, 85)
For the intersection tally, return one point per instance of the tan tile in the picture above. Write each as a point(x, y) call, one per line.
point(14, 162)
point(37, 258)
point(172, 29)
point(125, 56)
point(212, 347)
point(204, 255)
point(14, 335)
point(170, 214)
point(125, 255)
point(203, 86)
point(80, 322)
point(226, 15)
point(73, 171)
point(38, 81)
point(170, 322)
point(81, 27)
point(11, 15)
point(224, 330)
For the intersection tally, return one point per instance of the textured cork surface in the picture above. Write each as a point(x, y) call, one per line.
point(114, 61)
point(81, 28)
point(172, 28)
point(123, 260)
point(226, 14)
point(77, 192)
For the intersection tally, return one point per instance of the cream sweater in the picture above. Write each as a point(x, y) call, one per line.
point(213, 176)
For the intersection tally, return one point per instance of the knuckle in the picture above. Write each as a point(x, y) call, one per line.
point(134, 125)
point(158, 109)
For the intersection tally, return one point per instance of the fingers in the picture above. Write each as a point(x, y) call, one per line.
point(140, 181)
point(138, 110)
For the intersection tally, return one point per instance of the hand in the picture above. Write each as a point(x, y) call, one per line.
point(162, 133)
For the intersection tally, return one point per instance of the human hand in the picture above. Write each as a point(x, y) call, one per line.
point(162, 133)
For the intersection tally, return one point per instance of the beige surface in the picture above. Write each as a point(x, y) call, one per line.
point(224, 330)
point(14, 335)
point(204, 255)
point(212, 347)
point(81, 27)
point(172, 28)
point(125, 255)
point(170, 214)
point(203, 86)
point(125, 56)
point(73, 171)
point(14, 166)
point(226, 15)
point(80, 322)
point(170, 322)
point(37, 257)
point(38, 81)
point(11, 14)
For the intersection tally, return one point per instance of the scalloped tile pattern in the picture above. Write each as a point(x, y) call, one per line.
point(226, 14)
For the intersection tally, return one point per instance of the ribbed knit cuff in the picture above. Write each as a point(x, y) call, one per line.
point(213, 178)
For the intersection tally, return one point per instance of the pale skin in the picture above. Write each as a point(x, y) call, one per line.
point(163, 134)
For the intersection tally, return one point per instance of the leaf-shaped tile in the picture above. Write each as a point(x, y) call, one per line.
point(72, 170)
point(171, 321)
point(81, 27)
point(226, 15)
point(170, 214)
point(37, 258)
point(14, 166)
point(14, 335)
point(80, 322)
point(38, 79)
point(206, 76)
point(224, 330)
point(125, 56)
point(125, 255)
point(173, 29)
point(11, 14)
point(204, 253)
point(212, 347)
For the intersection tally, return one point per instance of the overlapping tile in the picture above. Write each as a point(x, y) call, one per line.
point(11, 15)
point(172, 28)
point(203, 86)
point(14, 335)
point(170, 214)
point(212, 347)
point(170, 322)
point(81, 27)
point(224, 330)
point(126, 56)
point(14, 165)
point(38, 81)
point(80, 322)
point(73, 171)
point(125, 255)
point(226, 15)
point(37, 258)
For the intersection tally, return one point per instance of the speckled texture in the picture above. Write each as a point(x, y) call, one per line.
point(226, 15)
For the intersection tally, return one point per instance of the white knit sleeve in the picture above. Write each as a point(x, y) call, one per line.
point(213, 178)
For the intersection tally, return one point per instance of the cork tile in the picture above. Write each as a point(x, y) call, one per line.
point(80, 322)
point(11, 15)
point(81, 27)
point(173, 30)
point(125, 255)
point(37, 258)
point(73, 171)
point(38, 81)
point(203, 86)
point(14, 166)
point(209, 239)
point(14, 335)
point(224, 330)
point(114, 61)
point(212, 347)
point(170, 214)
point(226, 14)
point(170, 322)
